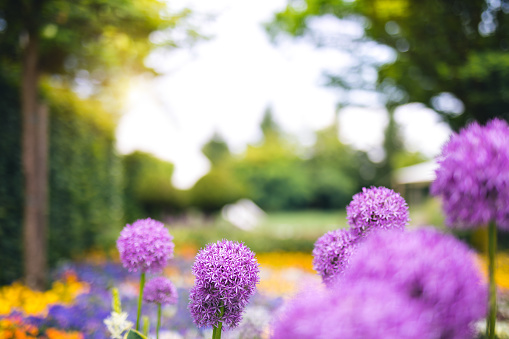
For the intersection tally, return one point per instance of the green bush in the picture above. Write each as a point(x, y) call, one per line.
point(148, 190)
point(216, 189)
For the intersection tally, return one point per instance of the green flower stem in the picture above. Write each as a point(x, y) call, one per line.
point(216, 332)
point(158, 320)
point(492, 248)
point(142, 284)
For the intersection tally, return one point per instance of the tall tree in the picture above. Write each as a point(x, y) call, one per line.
point(268, 125)
point(94, 41)
point(450, 55)
point(392, 145)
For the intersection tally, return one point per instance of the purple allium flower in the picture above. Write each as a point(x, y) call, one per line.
point(160, 290)
point(332, 252)
point(434, 270)
point(363, 310)
point(377, 208)
point(146, 245)
point(226, 276)
point(473, 176)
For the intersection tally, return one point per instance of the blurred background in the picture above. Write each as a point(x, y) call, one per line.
point(255, 121)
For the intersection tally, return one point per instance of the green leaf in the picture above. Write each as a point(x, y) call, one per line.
point(133, 334)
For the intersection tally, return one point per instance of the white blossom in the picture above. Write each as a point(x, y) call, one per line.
point(117, 324)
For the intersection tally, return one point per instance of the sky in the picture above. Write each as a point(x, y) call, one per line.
point(225, 84)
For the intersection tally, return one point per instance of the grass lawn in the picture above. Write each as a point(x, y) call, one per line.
point(279, 231)
point(302, 224)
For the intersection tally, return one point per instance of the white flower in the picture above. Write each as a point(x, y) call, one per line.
point(501, 328)
point(117, 323)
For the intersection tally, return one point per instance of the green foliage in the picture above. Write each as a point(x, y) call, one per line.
point(392, 145)
point(216, 189)
point(105, 37)
point(457, 47)
point(268, 125)
point(11, 182)
point(85, 177)
point(216, 150)
point(334, 170)
point(133, 334)
point(278, 185)
point(447, 45)
point(331, 188)
point(98, 43)
point(148, 190)
point(276, 178)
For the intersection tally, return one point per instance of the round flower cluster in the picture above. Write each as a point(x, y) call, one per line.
point(434, 270)
point(160, 291)
point(372, 209)
point(146, 245)
point(364, 310)
point(332, 252)
point(226, 276)
point(418, 284)
point(473, 176)
point(377, 208)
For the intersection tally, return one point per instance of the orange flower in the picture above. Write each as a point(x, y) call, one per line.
point(13, 328)
point(54, 333)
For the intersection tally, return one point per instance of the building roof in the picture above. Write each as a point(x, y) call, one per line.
point(420, 173)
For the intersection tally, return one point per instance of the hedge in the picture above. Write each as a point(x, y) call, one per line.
point(85, 178)
point(11, 182)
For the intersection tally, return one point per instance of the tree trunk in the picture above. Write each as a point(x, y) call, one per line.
point(34, 157)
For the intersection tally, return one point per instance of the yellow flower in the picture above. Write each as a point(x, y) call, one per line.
point(282, 273)
point(299, 260)
point(501, 268)
point(21, 298)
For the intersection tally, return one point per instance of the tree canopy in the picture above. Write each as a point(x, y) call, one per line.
point(90, 46)
point(101, 37)
point(450, 55)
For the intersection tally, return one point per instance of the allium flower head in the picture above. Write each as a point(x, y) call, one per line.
point(332, 252)
point(434, 270)
point(146, 245)
point(226, 276)
point(377, 208)
point(160, 290)
point(473, 176)
point(363, 310)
